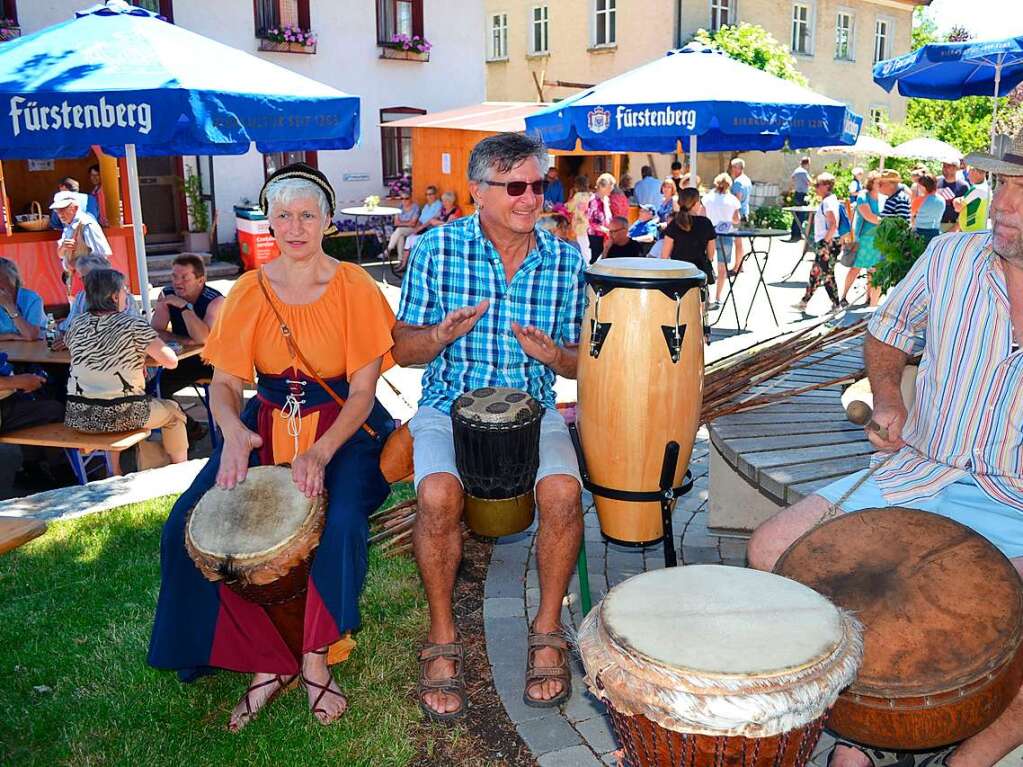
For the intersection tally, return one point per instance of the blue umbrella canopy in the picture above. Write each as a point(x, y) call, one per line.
point(695, 95)
point(952, 70)
point(118, 75)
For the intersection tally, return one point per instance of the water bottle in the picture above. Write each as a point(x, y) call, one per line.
point(51, 331)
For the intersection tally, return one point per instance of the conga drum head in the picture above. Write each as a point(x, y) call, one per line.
point(663, 269)
point(256, 532)
point(943, 616)
point(720, 652)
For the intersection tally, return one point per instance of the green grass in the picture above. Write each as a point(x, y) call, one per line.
point(76, 608)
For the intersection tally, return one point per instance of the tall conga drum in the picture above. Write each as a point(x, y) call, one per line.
point(712, 666)
point(942, 611)
point(640, 388)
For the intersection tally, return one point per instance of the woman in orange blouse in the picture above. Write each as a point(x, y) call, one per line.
point(341, 324)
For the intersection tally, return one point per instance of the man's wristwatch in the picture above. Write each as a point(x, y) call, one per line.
point(190, 307)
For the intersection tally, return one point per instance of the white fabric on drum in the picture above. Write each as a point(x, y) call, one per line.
point(715, 650)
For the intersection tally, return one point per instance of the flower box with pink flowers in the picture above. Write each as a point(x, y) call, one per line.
point(406, 47)
point(288, 40)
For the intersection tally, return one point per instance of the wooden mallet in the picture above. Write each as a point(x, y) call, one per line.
point(859, 412)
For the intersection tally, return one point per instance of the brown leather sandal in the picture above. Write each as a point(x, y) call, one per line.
point(538, 674)
point(283, 684)
point(453, 685)
point(324, 689)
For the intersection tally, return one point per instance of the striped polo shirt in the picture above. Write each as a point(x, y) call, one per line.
point(455, 265)
point(968, 418)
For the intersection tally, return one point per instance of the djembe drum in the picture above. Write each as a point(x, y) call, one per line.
point(711, 666)
point(258, 539)
point(640, 389)
point(943, 615)
point(496, 432)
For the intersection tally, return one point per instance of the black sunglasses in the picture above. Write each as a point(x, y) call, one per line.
point(518, 188)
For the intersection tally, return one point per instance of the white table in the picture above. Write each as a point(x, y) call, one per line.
point(362, 211)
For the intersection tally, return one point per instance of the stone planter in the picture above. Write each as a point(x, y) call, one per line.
point(387, 52)
point(197, 242)
point(270, 45)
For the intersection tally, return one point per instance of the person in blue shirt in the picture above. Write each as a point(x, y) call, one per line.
point(742, 188)
point(648, 190)
point(431, 209)
point(22, 317)
point(646, 229)
point(927, 223)
point(553, 191)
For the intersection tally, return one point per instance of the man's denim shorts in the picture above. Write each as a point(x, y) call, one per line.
point(434, 447)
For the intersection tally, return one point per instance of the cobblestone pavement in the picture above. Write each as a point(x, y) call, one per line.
point(579, 734)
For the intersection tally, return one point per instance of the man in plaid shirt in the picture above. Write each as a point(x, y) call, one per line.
point(493, 300)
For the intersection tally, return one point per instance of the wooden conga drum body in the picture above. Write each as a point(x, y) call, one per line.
point(259, 539)
point(640, 384)
point(711, 666)
point(943, 615)
point(496, 433)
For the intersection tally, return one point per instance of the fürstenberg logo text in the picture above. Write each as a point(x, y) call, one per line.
point(666, 117)
point(64, 116)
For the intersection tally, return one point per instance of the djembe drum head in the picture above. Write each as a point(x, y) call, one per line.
point(943, 616)
point(255, 534)
point(709, 665)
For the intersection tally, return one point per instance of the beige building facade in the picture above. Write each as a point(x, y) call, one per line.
point(548, 50)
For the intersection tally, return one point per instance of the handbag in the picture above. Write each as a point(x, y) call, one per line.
point(396, 455)
point(848, 256)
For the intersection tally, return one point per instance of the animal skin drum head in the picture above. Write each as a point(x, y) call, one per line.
point(497, 405)
point(722, 620)
point(722, 651)
point(650, 268)
point(253, 519)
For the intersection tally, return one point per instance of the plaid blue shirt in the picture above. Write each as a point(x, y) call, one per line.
point(455, 265)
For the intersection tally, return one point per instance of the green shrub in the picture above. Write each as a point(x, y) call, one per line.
point(771, 217)
point(900, 247)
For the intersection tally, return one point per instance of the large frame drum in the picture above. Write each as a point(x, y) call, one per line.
point(712, 666)
point(943, 616)
point(640, 387)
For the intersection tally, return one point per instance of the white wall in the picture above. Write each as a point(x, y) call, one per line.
point(347, 59)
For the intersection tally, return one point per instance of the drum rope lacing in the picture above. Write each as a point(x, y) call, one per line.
point(836, 507)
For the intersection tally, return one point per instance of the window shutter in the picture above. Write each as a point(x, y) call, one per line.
point(417, 18)
point(303, 14)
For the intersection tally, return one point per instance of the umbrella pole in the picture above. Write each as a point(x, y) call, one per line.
point(692, 161)
point(994, 110)
point(136, 219)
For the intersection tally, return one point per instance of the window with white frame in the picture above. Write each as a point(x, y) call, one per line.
point(722, 13)
point(538, 29)
point(604, 20)
point(802, 29)
point(883, 31)
point(497, 46)
point(844, 46)
point(879, 116)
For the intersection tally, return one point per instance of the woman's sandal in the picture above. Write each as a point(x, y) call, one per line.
point(283, 684)
point(324, 689)
point(877, 757)
point(536, 675)
point(453, 685)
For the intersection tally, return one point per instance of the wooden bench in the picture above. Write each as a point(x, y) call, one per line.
point(764, 460)
point(15, 531)
point(74, 443)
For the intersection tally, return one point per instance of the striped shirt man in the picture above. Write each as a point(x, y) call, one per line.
point(454, 266)
point(968, 422)
point(897, 206)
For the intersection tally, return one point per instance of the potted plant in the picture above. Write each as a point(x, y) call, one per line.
point(288, 40)
point(9, 30)
point(410, 47)
point(197, 238)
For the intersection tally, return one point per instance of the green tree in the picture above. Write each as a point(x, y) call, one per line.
point(925, 31)
point(754, 45)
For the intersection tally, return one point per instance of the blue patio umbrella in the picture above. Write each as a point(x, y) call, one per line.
point(948, 71)
point(700, 98)
point(122, 78)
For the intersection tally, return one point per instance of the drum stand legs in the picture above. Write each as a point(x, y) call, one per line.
point(666, 495)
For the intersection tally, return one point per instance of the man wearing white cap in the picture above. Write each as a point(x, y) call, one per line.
point(957, 450)
point(82, 233)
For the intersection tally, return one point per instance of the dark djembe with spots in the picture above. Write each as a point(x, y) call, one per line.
point(497, 450)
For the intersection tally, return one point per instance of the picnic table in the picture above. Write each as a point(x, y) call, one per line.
point(766, 459)
point(38, 353)
point(15, 531)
